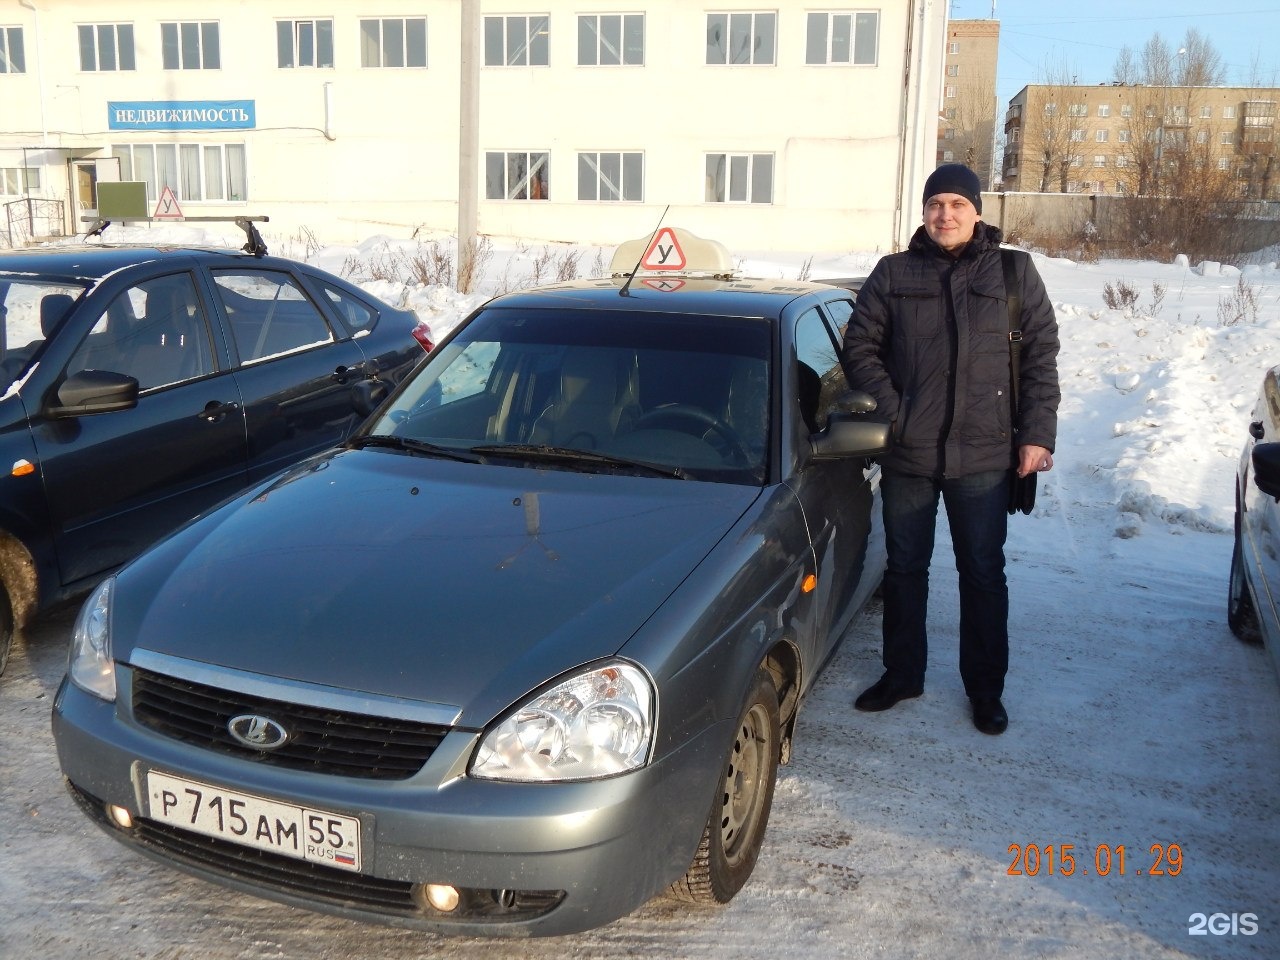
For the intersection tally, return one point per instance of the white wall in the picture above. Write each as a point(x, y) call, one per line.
point(848, 141)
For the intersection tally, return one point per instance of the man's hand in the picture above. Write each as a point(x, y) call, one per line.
point(1033, 459)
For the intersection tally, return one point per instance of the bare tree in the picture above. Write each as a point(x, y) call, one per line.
point(1155, 63)
point(1199, 64)
point(1055, 139)
point(1125, 69)
point(971, 114)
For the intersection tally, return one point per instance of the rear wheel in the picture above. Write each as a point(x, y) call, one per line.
point(6, 626)
point(735, 828)
point(1242, 618)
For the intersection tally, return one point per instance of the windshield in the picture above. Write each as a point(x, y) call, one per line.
point(30, 310)
point(686, 392)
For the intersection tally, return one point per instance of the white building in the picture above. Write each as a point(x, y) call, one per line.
point(783, 126)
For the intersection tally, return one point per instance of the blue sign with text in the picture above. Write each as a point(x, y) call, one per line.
point(181, 115)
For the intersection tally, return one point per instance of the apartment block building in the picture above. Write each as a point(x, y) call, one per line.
point(773, 127)
point(1125, 139)
point(968, 107)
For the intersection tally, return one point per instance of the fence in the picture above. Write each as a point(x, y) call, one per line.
point(32, 219)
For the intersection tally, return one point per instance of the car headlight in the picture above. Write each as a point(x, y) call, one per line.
point(594, 724)
point(90, 665)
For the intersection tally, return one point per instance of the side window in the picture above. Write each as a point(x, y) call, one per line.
point(819, 377)
point(270, 315)
point(359, 317)
point(155, 332)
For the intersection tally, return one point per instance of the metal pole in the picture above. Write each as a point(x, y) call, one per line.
point(468, 142)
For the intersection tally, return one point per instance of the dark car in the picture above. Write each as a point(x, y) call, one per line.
point(1253, 608)
point(529, 648)
point(140, 386)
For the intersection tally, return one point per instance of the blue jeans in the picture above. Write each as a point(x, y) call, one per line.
point(978, 516)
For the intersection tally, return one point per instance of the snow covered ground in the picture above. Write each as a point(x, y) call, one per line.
point(1137, 720)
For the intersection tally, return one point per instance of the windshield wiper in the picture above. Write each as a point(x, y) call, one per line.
point(569, 455)
point(410, 445)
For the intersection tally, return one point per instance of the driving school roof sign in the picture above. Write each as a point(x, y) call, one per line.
point(181, 115)
point(671, 250)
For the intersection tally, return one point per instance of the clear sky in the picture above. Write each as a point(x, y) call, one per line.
point(1085, 36)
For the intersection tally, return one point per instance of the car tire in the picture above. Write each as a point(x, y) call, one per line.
point(1242, 617)
point(6, 626)
point(735, 828)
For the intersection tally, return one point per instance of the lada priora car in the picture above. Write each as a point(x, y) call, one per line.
point(140, 386)
point(529, 648)
point(1254, 593)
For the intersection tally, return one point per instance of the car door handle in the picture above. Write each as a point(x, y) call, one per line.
point(1256, 431)
point(216, 410)
point(345, 374)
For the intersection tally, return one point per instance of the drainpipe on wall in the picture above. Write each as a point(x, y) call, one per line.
point(44, 126)
point(328, 111)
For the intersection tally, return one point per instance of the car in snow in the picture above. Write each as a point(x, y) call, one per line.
point(528, 649)
point(142, 385)
point(1253, 596)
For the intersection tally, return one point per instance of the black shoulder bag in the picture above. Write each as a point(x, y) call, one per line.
point(1022, 490)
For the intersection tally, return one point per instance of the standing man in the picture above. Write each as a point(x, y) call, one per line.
point(929, 340)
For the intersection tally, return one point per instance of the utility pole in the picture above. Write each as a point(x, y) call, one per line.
point(468, 142)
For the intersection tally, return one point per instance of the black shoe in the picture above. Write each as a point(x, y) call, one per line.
point(989, 715)
point(883, 694)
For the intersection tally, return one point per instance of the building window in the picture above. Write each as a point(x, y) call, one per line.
point(949, 92)
point(1126, 110)
point(611, 176)
point(516, 175)
point(1077, 160)
point(1122, 161)
point(1050, 109)
point(843, 38)
point(393, 42)
point(953, 69)
point(611, 40)
point(1122, 136)
point(106, 46)
point(1149, 111)
point(15, 181)
point(948, 156)
point(739, 178)
point(517, 41)
point(1077, 136)
point(1099, 160)
point(953, 47)
point(1202, 136)
point(12, 57)
point(1104, 109)
point(307, 43)
point(190, 46)
point(1228, 138)
point(1228, 113)
point(741, 37)
point(193, 171)
point(1078, 110)
point(950, 113)
point(1224, 163)
point(1102, 136)
point(1206, 112)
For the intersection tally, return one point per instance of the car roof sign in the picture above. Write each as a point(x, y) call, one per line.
point(671, 250)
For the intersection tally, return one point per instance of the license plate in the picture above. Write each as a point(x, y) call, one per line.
point(284, 828)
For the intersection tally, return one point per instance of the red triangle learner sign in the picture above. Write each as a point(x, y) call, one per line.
point(167, 207)
point(664, 252)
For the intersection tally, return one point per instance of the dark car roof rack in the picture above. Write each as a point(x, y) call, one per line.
point(254, 243)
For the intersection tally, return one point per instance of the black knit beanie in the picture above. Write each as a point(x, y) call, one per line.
point(954, 178)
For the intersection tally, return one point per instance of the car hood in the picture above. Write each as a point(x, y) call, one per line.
point(444, 582)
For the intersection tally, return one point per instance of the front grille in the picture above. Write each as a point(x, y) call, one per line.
point(320, 740)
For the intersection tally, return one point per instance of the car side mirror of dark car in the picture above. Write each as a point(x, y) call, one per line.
point(367, 396)
point(94, 391)
point(1266, 468)
point(851, 435)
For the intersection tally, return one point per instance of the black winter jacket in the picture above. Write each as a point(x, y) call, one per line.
point(929, 340)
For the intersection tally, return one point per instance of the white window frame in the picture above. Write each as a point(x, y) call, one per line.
point(318, 32)
point(616, 176)
point(524, 40)
point(393, 47)
point(1104, 109)
point(196, 172)
point(115, 40)
point(1099, 160)
point(207, 52)
point(728, 23)
point(14, 184)
point(1102, 136)
point(515, 183)
point(1077, 136)
point(1078, 110)
point(953, 47)
point(736, 180)
point(1228, 113)
point(1126, 109)
point(840, 38)
point(598, 47)
point(11, 40)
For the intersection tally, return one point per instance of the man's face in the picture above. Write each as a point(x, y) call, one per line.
point(949, 220)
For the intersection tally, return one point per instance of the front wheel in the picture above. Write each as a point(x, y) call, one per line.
point(1242, 618)
point(739, 814)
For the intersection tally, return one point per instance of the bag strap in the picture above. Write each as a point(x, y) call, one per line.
point(1013, 293)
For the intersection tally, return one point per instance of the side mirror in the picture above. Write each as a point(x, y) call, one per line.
point(851, 435)
point(367, 395)
point(1266, 468)
point(94, 391)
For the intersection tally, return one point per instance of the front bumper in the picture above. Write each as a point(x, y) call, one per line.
point(531, 859)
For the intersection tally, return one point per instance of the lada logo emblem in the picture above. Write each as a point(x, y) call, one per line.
point(257, 732)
